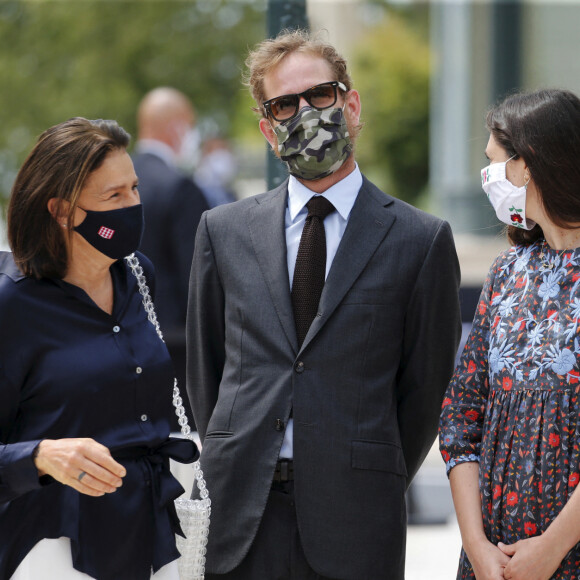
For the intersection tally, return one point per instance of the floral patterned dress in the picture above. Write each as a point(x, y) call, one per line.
point(513, 404)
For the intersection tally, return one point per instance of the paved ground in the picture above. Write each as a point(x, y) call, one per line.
point(433, 552)
point(433, 546)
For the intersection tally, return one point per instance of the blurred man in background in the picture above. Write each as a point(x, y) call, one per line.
point(173, 205)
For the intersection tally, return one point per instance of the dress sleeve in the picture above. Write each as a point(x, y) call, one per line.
point(463, 409)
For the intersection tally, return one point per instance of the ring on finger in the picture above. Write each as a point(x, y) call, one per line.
point(81, 475)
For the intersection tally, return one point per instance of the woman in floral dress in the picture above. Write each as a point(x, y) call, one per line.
point(510, 423)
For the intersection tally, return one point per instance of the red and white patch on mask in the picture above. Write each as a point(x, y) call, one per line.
point(106, 233)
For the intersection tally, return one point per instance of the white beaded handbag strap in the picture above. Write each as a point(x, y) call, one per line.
point(133, 263)
point(137, 270)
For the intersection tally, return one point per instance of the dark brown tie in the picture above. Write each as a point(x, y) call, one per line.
point(310, 270)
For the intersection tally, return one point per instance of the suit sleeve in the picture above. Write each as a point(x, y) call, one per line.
point(432, 334)
point(205, 330)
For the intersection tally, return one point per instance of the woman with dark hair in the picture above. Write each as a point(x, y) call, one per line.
point(510, 424)
point(85, 382)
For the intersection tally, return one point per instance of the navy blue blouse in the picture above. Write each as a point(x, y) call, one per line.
point(69, 369)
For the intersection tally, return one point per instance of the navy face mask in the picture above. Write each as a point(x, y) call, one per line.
point(115, 233)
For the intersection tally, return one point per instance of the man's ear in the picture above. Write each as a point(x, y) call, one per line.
point(268, 132)
point(353, 107)
point(59, 209)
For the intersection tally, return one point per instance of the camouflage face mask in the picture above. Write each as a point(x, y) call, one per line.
point(314, 144)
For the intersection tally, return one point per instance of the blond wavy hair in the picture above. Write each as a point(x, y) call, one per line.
point(269, 53)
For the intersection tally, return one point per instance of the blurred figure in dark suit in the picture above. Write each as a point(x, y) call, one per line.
point(172, 204)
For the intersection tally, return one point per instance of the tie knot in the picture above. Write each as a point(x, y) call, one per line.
point(319, 206)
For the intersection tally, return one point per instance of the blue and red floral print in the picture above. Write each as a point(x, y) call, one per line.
point(513, 402)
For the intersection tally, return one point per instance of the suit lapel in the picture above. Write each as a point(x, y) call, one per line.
point(369, 223)
point(267, 231)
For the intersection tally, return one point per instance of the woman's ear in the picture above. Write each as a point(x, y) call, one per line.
point(527, 176)
point(58, 209)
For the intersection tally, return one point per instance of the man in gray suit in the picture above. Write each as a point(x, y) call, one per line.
point(314, 421)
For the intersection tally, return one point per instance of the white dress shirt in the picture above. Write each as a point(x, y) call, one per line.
point(342, 195)
point(157, 148)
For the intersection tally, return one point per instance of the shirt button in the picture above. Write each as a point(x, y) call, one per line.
point(144, 418)
point(299, 367)
point(116, 328)
point(138, 370)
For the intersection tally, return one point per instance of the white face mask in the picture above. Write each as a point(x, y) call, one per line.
point(508, 201)
point(190, 149)
point(217, 168)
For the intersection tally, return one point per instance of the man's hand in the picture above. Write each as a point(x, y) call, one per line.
point(531, 559)
point(83, 464)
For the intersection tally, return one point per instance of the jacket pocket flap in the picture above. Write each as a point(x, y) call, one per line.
point(218, 434)
point(378, 456)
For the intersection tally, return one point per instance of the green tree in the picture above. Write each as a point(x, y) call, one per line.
point(391, 68)
point(97, 58)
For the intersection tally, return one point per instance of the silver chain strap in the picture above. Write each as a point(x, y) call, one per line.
point(194, 514)
point(137, 270)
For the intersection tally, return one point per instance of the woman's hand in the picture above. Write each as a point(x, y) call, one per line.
point(66, 460)
point(488, 561)
point(531, 559)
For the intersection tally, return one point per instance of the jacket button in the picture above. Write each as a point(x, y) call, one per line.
point(299, 367)
point(279, 425)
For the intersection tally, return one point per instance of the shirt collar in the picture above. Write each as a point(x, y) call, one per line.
point(157, 148)
point(8, 267)
point(342, 195)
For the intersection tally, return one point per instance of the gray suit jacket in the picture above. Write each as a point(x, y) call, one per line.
point(365, 387)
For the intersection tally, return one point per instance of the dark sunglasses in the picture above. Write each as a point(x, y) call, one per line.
point(286, 107)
